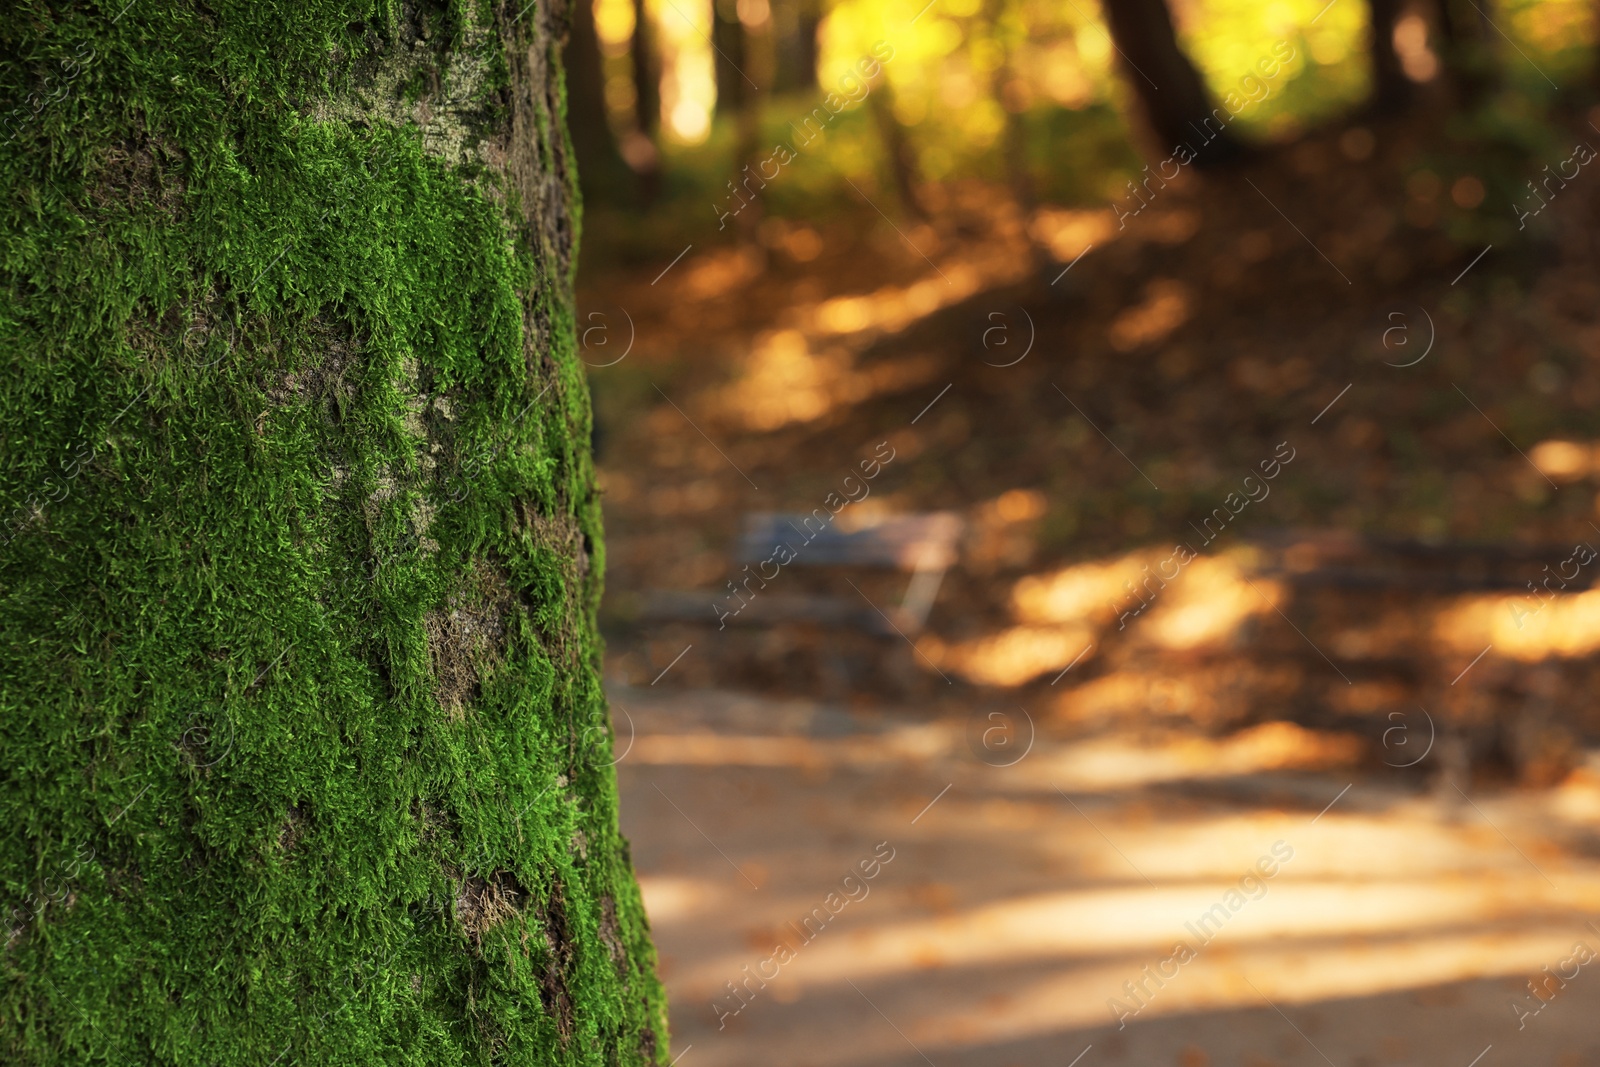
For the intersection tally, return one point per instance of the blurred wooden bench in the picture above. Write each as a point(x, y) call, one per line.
point(923, 545)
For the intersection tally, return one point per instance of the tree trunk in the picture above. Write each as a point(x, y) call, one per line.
point(599, 159)
point(899, 155)
point(727, 40)
point(1175, 100)
point(1007, 32)
point(795, 24)
point(1391, 89)
point(743, 68)
point(646, 72)
point(646, 156)
point(307, 758)
point(810, 45)
point(1465, 45)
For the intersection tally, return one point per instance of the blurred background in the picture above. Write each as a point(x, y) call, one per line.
point(1179, 424)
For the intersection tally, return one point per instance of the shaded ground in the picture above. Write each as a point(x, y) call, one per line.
point(1280, 311)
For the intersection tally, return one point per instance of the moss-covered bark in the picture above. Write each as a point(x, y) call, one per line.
point(307, 759)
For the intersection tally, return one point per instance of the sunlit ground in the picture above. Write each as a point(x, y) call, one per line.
point(1400, 929)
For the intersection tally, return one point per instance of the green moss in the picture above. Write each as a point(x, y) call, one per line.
point(306, 749)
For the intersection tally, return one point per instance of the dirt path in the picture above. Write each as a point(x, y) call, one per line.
point(1019, 899)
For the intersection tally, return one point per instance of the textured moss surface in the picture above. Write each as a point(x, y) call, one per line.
point(306, 755)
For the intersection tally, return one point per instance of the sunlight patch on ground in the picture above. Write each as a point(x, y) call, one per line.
point(706, 749)
point(1004, 531)
point(1068, 234)
point(718, 271)
point(1562, 460)
point(1207, 603)
point(1356, 905)
point(1083, 592)
point(1013, 656)
point(1168, 304)
point(1122, 762)
point(668, 899)
point(1114, 763)
point(1287, 973)
point(1566, 626)
point(1201, 697)
point(1296, 917)
point(896, 307)
point(1204, 603)
point(786, 380)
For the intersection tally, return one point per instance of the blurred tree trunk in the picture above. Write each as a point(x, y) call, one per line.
point(600, 165)
point(1010, 94)
point(1392, 91)
point(810, 42)
point(1464, 37)
point(744, 67)
point(646, 72)
point(646, 103)
point(307, 758)
point(728, 41)
point(897, 149)
point(795, 24)
point(1175, 99)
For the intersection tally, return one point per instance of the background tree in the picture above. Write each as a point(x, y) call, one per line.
point(741, 32)
point(307, 758)
point(900, 155)
point(600, 161)
point(646, 64)
point(795, 25)
point(728, 40)
point(1174, 96)
point(1466, 47)
point(646, 72)
point(1392, 91)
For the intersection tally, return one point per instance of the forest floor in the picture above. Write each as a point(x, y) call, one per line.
point(1362, 619)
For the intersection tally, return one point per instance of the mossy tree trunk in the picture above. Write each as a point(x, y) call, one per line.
point(307, 759)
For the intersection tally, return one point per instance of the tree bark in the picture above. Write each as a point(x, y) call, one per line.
point(307, 758)
point(1176, 103)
